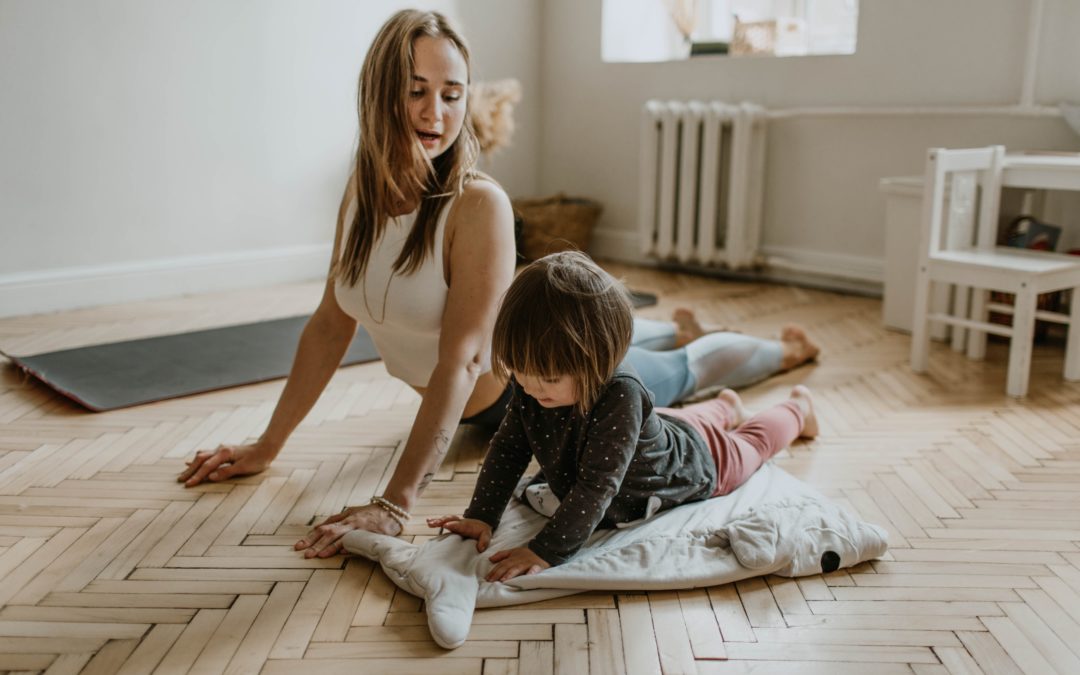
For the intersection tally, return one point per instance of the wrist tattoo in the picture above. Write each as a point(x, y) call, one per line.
point(442, 443)
point(442, 446)
point(426, 480)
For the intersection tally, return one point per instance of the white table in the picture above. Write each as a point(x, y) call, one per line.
point(1050, 171)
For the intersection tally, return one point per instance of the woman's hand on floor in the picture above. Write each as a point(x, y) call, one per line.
point(325, 539)
point(513, 562)
point(470, 528)
point(226, 461)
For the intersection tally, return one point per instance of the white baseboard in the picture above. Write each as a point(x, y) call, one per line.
point(835, 265)
point(76, 287)
point(841, 272)
point(71, 288)
point(620, 245)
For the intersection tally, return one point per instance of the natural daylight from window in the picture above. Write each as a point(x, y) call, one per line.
point(673, 30)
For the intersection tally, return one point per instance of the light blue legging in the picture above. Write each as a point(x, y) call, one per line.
point(716, 359)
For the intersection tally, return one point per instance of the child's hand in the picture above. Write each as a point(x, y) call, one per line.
point(513, 562)
point(470, 528)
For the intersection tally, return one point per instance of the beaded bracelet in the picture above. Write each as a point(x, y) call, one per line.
point(390, 506)
point(396, 512)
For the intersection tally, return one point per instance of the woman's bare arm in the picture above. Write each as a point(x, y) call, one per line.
point(481, 257)
point(481, 269)
point(323, 343)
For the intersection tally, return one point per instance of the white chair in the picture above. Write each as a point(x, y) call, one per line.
point(959, 248)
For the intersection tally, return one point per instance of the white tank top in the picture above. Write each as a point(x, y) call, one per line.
point(402, 313)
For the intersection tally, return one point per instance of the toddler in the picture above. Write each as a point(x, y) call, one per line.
point(561, 335)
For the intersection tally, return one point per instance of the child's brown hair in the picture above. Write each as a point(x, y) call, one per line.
point(563, 315)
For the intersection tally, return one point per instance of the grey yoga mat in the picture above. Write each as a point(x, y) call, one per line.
point(124, 374)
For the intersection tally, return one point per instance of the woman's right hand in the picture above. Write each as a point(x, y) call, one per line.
point(470, 528)
point(227, 461)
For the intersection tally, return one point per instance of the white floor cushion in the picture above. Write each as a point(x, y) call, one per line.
point(774, 524)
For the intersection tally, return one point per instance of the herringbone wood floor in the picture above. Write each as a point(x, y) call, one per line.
point(108, 565)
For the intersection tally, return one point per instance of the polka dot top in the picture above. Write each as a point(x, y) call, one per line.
point(602, 466)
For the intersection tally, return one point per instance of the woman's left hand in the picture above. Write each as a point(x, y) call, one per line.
point(513, 562)
point(325, 539)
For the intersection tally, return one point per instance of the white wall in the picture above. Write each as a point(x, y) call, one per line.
point(151, 148)
point(822, 203)
point(504, 37)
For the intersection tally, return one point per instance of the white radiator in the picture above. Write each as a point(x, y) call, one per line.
point(702, 175)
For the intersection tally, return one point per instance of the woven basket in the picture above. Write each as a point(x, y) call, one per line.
point(556, 223)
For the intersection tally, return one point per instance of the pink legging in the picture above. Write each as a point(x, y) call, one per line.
point(740, 452)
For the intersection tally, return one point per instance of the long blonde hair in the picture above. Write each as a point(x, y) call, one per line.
point(390, 163)
point(564, 315)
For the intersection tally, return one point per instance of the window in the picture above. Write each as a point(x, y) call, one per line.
point(668, 30)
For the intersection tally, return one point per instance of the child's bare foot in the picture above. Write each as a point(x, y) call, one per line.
point(688, 328)
point(798, 347)
point(735, 401)
point(805, 400)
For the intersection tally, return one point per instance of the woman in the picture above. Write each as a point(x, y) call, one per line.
point(415, 220)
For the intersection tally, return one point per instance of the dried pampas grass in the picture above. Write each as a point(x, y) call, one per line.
point(492, 112)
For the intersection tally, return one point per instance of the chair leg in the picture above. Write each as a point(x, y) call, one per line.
point(960, 310)
point(977, 338)
point(1072, 344)
point(920, 329)
point(1023, 335)
point(940, 301)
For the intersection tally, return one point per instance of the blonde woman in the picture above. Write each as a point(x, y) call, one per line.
point(414, 225)
point(423, 252)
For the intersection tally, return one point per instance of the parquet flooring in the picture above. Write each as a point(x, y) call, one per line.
point(107, 565)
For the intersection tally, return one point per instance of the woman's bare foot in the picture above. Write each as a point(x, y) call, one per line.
point(798, 347)
point(805, 400)
point(735, 401)
point(688, 328)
